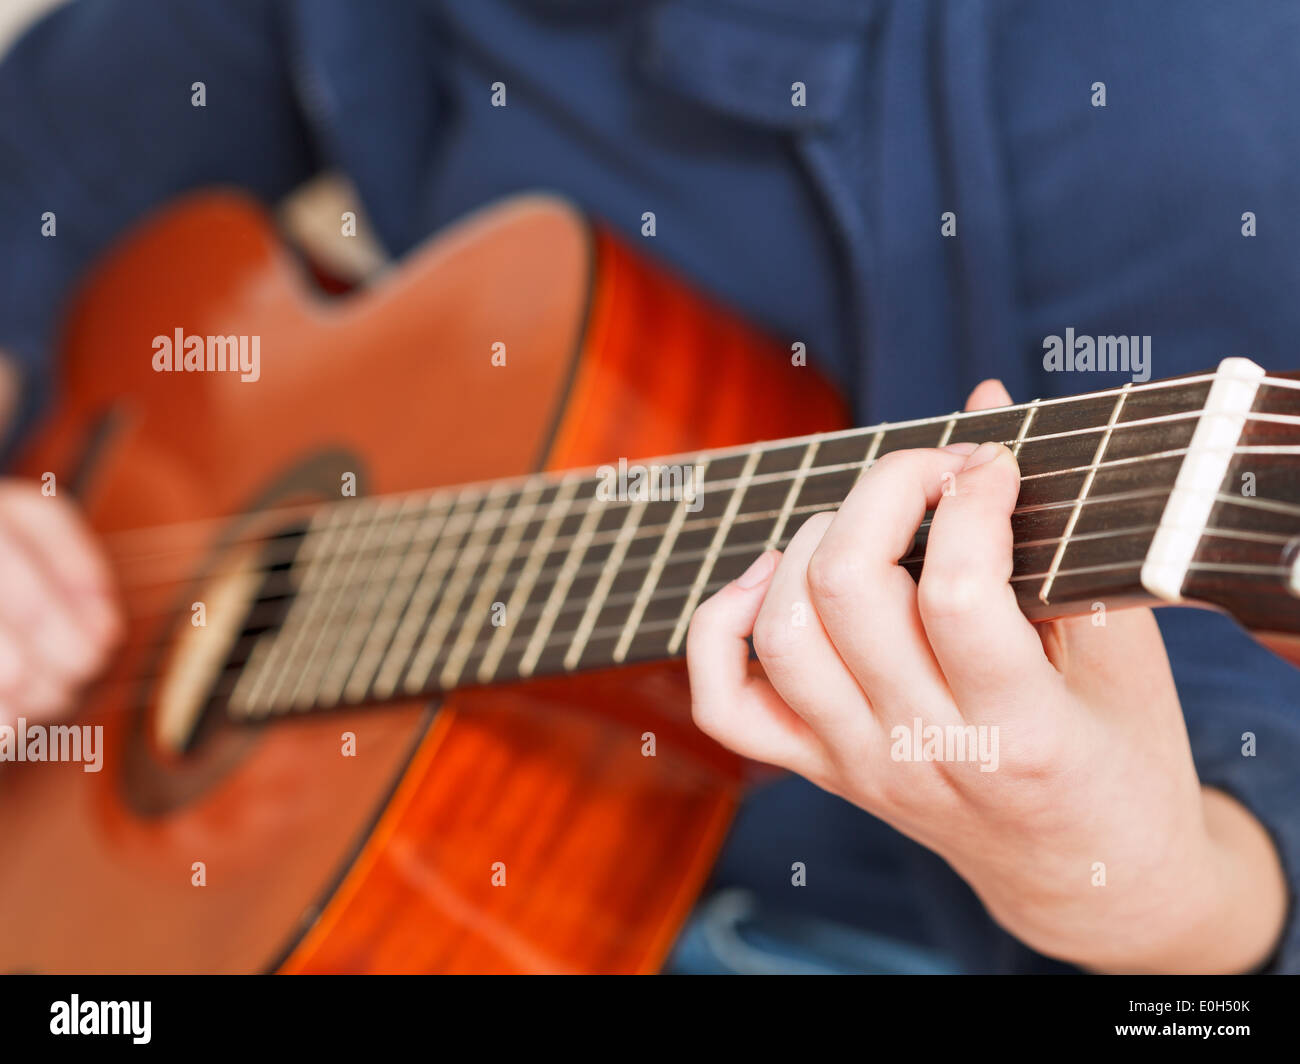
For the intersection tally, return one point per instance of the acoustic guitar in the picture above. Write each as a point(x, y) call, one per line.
point(398, 690)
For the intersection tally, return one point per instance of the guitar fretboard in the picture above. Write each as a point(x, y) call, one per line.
point(396, 596)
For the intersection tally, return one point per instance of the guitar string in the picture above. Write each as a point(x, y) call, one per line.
point(563, 545)
point(469, 519)
point(483, 639)
point(869, 432)
point(661, 595)
point(481, 488)
point(780, 478)
point(174, 615)
point(288, 549)
point(648, 532)
point(558, 639)
point(337, 632)
point(455, 499)
point(260, 615)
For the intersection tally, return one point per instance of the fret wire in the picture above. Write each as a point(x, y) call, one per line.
point(267, 652)
point(310, 677)
point(482, 488)
point(1087, 570)
point(533, 568)
point(807, 509)
point(444, 614)
point(796, 485)
point(1024, 429)
point(339, 554)
point(404, 584)
point(776, 478)
point(947, 432)
point(710, 559)
point(357, 526)
point(652, 531)
point(502, 554)
point(780, 477)
point(1204, 567)
point(657, 563)
point(664, 625)
point(815, 507)
point(917, 558)
point(609, 632)
point(872, 451)
point(1083, 494)
point(456, 523)
point(1172, 385)
point(311, 630)
point(607, 574)
point(297, 626)
point(1090, 471)
point(560, 588)
point(559, 637)
point(1098, 535)
point(828, 471)
point(369, 602)
point(1021, 577)
point(667, 594)
point(910, 559)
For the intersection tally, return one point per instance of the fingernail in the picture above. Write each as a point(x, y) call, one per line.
point(986, 453)
point(759, 570)
point(960, 448)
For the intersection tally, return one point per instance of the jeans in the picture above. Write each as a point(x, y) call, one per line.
point(731, 932)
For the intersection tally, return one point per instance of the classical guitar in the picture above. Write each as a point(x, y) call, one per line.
point(398, 690)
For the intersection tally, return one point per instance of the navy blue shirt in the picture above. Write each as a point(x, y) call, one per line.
point(821, 222)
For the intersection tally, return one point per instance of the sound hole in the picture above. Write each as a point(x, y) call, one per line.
point(247, 596)
point(202, 744)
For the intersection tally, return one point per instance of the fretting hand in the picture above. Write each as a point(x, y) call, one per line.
point(1078, 819)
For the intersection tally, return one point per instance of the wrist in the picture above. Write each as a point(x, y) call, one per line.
point(1233, 905)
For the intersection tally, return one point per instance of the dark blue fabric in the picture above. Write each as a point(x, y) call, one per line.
point(823, 223)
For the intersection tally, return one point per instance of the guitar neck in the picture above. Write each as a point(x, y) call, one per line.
point(1121, 491)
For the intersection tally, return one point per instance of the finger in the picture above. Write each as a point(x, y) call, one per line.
point(44, 696)
point(867, 601)
point(36, 614)
point(801, 661)
point(983, 642)
point(11, 663)
point(66, 552)
point(34, 693)
point(741, 711)
point(988, 394)
point(1113, 659)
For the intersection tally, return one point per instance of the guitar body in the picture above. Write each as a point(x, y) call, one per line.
point(509, 828)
